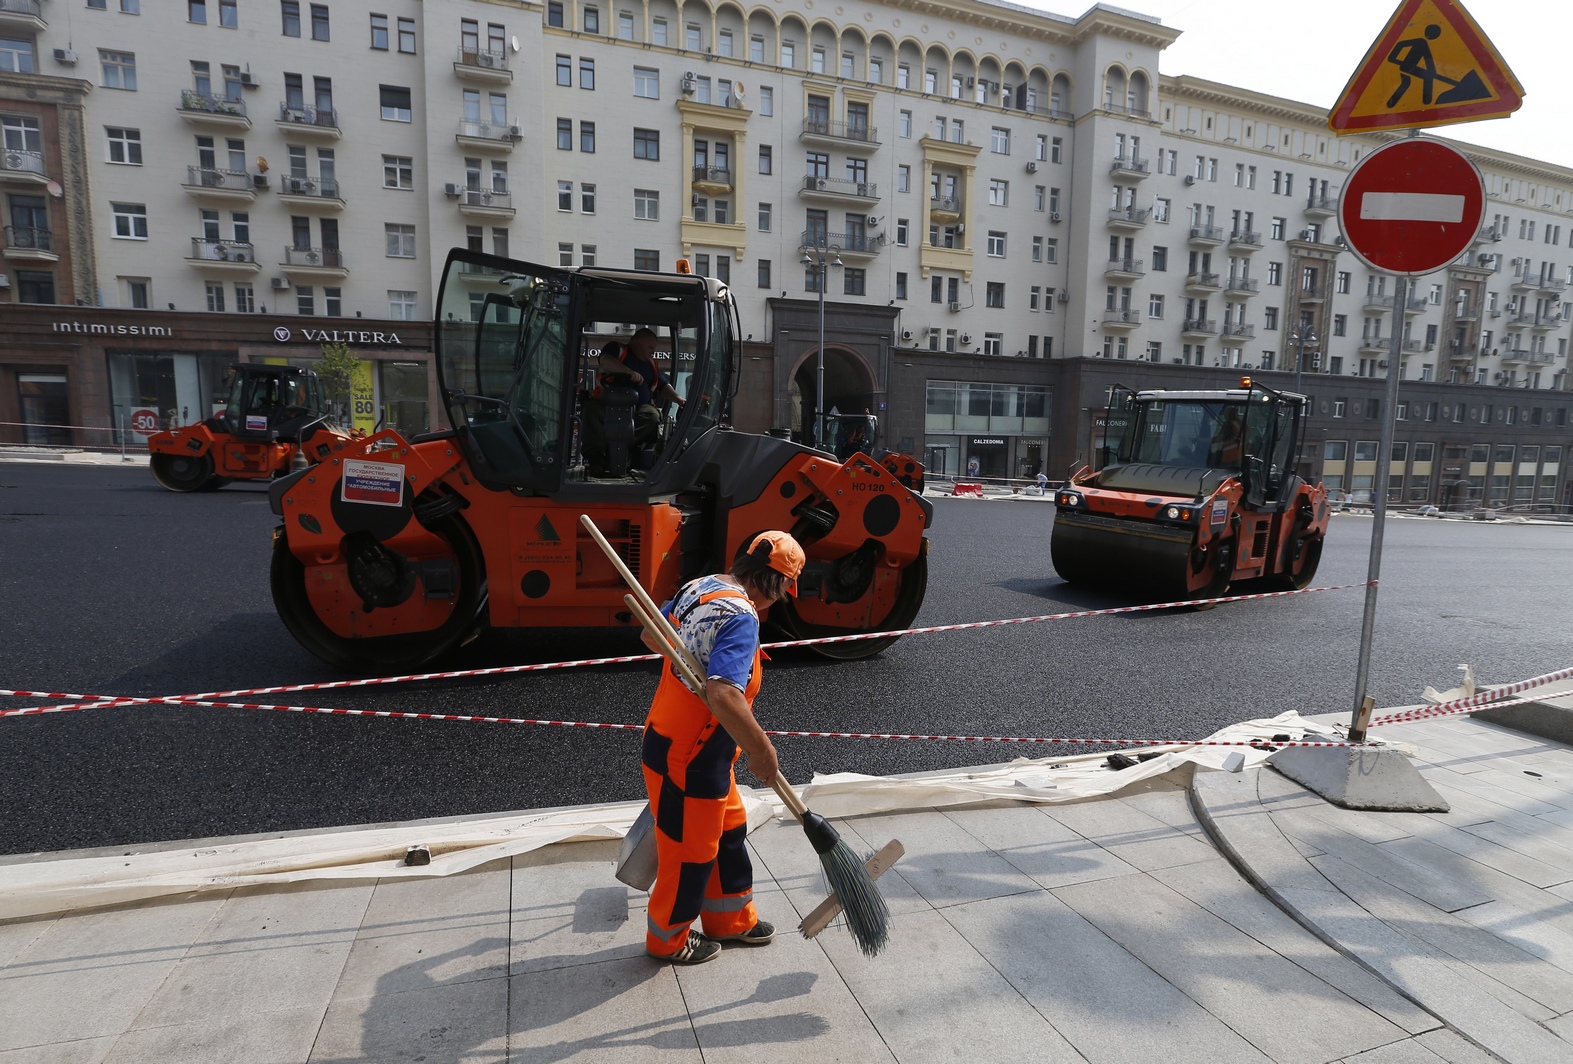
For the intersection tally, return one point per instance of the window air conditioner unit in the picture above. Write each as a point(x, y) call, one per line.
point(1032, 167)
point(1054, 216)
point(1381, 363)
point(515, 133)
point(13, 160)
point(297, 185)
point(259, 181)
point(954, 306)
point(66, 56)
point(485, 59)
point(247, 80)
point(1190, 179)
point(5, 280)
point(1065, 297)
point(478, 199)
point(1305, 234)
point(690, 83)
point(312, 258)
point(821, 182)
point(221, 253)
point(966, 338)
point(906, 334)
point(452, 190)
point(280, 284)
point(240, 254)
point(1518, 262)
point(871, 221)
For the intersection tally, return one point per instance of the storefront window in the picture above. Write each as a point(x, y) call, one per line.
point(45, 405)
point(404, 397)
point(150, 391)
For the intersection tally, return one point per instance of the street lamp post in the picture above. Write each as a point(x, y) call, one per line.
point(1302, 336)
point(821, 258)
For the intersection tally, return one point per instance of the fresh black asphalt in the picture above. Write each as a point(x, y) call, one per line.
point(109, 584)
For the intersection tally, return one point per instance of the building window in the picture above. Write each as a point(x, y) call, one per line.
point(565, 195)
point(407, 36)
point(319, 22)
point(996, 244)
point(901, 285)
point(398, 171)
point(565, 134)
point(565, 70)
point(401, 305)
point(1051, 250)
point(766, 158)
point(215, 294)
point(999, 140)
point(290, 10)
point(765, 219)
point(592, 20)
point(999, 193)
point(587, 136)
point(1277, 232)
point(994, 294)
point(764, 274)
point(228, 19)
point(379, 33)
point(647, 83)
point(767, 101)
point(305, 300)
point(647, 144)
point(1275, 273)
point(1155, 306)
point(245, 299)
point(130, 220)
point(587, 74)
point(647, 204)
point(852, 281)
point(125, 146)
point(554, 14)
point(120, 70)
point(647, 259)
point(1270, 318)
point(401, 241)
point(395, 102)
point(587, 201)
point(333, 302)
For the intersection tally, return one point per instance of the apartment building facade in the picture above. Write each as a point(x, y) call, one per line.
point(1008, 212)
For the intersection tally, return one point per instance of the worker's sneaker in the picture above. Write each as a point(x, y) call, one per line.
point(758, 935)
point(696, 950)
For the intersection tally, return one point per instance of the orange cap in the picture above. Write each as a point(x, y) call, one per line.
point(782, 553)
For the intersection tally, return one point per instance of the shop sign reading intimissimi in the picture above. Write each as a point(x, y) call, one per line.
point(104, 329)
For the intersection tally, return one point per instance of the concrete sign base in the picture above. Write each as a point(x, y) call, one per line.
point(1360, 778)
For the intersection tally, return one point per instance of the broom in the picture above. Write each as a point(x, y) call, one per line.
point(868, 918)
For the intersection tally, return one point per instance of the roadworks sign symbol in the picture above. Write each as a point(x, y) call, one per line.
point(1431, 66)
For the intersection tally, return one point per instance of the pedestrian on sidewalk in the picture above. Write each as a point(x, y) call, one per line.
point(691, 743)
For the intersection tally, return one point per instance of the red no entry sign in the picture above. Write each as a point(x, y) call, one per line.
point(1412, 206)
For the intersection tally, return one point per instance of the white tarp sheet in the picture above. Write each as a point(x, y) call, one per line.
point(45, 886)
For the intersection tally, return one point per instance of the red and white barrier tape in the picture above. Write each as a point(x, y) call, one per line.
point(86, 701)
point(1496, 696)
point(788, 733)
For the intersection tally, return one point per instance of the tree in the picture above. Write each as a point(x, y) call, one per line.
point(337, 370)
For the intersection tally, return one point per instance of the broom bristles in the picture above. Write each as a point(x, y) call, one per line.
point(868, 918)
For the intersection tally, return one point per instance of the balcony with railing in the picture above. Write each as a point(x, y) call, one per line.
point(841, 188)
point(1525, 355)
point(1462, 352)
point(1416, 305)
point(220, 112)
point(28, 244)
point(478, 65)
point(944, 209)
point(221, 186)
point(1549, 283)
point(24, 15)
point(860, 244)
point(1375, 301)
point(1199, 327)
point(1522, 319)
point(486, 203)
point(1375, 342)
point(1245, 239)
point(311, 194)
point(1206, 234)
point(1238, 330)
point(1241, 286)
point(1321, 206)
point(488, 136)
point(1203, 282)
point(1412, 347)
point(818, 130)
point(1546, 322)
point(1131, 165)
point(314, 262)
point(1121, 319)
point(229, 256)
point(321, 122)
point(22, 167)
point(712, 180)
point(1312, 293)
point(1524, 280)
point(1128, 217)
point(1125, 268)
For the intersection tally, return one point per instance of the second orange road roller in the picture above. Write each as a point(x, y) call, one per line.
point(1197, 494)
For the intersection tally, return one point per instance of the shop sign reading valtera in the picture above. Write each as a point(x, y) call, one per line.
point(283, 334)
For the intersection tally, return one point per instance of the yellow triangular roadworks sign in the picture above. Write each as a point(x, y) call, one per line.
point(1430, 66)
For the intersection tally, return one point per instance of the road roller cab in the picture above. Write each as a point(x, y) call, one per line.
point(396, 551)
point(1196, 493)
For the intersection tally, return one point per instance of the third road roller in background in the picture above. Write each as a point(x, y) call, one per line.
point(1197, 493)
point(393, 551)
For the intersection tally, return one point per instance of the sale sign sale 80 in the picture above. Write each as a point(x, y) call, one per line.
point(1412, 207)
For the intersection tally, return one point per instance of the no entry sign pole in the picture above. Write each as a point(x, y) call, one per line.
point(1409, 208)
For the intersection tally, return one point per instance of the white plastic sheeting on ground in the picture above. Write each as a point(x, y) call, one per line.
point(45, 885)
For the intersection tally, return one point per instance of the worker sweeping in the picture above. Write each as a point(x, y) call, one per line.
point(703, 870)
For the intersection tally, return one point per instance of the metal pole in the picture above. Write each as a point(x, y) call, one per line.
point(1299, 358)
point(1379, 509)
point(819, 400)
